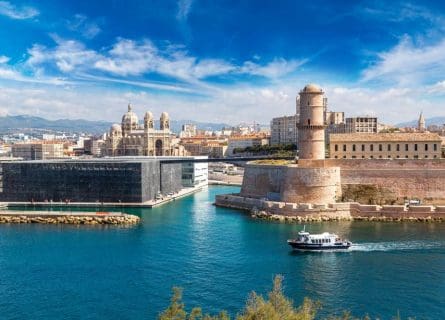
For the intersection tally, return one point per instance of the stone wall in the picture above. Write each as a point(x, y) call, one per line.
point(422, 179)
point(262, 180)
point(399, 178)
point(313, 185)
point(332, 211)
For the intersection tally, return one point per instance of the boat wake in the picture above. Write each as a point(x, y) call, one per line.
point(397, 246)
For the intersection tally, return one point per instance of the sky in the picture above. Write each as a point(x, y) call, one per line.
point(221, 61)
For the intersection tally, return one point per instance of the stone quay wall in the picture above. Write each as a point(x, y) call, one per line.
point(422, 179)
point(333, 211)
point(123, 219)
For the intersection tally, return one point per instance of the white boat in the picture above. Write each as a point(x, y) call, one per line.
point(318, 242)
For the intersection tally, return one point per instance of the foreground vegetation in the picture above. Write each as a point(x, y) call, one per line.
point(275, 307)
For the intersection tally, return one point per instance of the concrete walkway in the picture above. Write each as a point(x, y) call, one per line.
point(148, 204)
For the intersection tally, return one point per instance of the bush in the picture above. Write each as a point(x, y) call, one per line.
point(276, 307)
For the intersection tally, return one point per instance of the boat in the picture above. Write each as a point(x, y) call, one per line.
point(318, 242)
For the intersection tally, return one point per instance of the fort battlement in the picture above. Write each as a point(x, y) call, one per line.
point(334, 211)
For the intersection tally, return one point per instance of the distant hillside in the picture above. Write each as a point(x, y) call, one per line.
point(431, 121)
point(25, 123)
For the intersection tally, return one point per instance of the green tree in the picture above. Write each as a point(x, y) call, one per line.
point(277, 307)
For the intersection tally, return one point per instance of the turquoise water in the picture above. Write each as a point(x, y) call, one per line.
point(217, 255)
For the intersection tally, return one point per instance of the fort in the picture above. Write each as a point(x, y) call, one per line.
point(315, 186)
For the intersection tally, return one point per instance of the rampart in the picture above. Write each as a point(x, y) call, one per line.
point(332, 211)
point(364, 180)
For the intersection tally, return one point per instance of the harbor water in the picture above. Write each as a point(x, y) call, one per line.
point(217, 256)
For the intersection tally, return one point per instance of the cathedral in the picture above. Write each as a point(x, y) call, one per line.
point(131, 139)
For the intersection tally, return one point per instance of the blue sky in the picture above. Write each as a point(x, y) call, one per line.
point(220, 61)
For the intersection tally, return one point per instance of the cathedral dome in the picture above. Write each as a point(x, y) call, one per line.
point(116, 128)
point(313, 88)
point(148, 115)
point(164, 115)
point(130, 119)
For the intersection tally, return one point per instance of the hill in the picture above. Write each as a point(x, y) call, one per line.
point(430, 121)
point(26, 123)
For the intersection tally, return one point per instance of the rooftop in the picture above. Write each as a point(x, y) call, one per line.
point(397, 136)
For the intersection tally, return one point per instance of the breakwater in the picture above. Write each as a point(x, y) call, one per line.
point(307, 212)
point(85, 218)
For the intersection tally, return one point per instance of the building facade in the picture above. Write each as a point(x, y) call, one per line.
point(242, 142)
point(361, 125)
point(38, 150)
point(385, 145)
point(283, 130)
point(131, 139)
point(125, 179)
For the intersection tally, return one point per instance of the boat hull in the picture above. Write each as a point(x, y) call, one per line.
point(318, 247)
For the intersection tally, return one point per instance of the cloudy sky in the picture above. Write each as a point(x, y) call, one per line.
point(220, 61)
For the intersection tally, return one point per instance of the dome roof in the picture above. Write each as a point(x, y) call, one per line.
point(164, 115)
point(116, 127)
point(130, 116)
point(148, 115)
point(312, 88)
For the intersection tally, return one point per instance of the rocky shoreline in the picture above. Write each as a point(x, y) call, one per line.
point(262, 215)
point(124, 219)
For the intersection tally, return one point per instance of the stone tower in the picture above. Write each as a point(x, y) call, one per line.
point(421, 124)
point(311, 137)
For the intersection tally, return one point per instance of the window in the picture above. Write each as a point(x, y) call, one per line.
point(389, 147)
point(353, 147)
point(435, 147)
point(406, 147)
point(363, 147)
point(426, 146)
point(344, 147)
point(415, 147)
point(336, 147)
point(398, 147)
point(380, 147)
point(371, 147)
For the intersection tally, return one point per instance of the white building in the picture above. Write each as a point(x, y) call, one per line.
point(283, 130)
point(195, 174)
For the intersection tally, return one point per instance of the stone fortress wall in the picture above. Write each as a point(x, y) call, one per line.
point(335, 187)
point(402, 178)
point(331, 211)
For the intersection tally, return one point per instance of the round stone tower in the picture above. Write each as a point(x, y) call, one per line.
point(311, 141)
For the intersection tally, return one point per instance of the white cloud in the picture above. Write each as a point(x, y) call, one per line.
point(67, 55)
point(277, 68)
point(80, 23)
point(184, 7)
point(19, 13)
point(4, 59)
point(408, 63)
point(127, 58)
point(390, 105)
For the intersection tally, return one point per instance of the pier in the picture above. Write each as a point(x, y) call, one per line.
point(65, 217)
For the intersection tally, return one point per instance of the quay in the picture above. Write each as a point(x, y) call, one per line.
point(64, 204)
point(65, 217)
